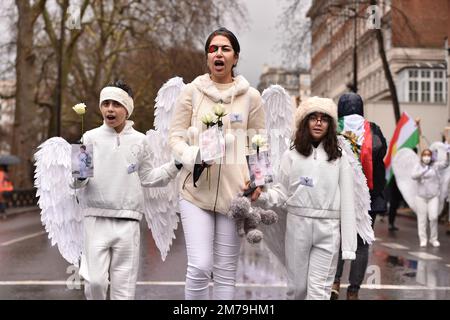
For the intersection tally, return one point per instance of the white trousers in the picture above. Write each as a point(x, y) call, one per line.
point(111, 254)
point(312, 252)
point(427, 210)
point(213, 246)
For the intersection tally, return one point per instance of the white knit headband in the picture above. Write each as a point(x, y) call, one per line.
point(119, 95)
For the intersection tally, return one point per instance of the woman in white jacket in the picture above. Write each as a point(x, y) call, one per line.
point(426, 172)
point(315, 184)
point(212, 241)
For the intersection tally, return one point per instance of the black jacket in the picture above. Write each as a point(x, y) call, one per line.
point(351, 103)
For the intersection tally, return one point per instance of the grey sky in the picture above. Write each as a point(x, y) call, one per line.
point(260, 40)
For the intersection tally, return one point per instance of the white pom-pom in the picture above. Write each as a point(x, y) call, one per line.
point(229, 140)
point(192, 134)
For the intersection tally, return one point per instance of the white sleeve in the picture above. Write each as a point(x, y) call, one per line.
point(277, 195)
point(155, 177)
point(418, 171)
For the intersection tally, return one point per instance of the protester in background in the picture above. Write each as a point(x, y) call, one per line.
point(426, 172)
point(372, 149)
point(6, 186)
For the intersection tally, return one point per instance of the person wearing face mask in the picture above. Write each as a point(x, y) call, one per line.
point(426, 172)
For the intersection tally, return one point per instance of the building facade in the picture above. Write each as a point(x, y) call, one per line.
point(414, 39)
point(296, 82)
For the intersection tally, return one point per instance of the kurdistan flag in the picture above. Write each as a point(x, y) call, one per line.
point(406, 135)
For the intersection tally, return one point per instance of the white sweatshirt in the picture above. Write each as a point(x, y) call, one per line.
point(116, 189)
point(314, 187)
point(428, 177)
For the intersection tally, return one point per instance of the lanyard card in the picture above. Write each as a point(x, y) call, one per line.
point(82, 160)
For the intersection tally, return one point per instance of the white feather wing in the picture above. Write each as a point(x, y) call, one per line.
point(61, 215)
point(402, 164)
point(274, 235)
point(165, 104)
point(279, 112)
point(444, 174)
point(161, 204)
point(279, 121)
point(361, 194)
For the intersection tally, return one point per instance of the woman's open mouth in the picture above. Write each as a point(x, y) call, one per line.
point(111, 117)
point(219, 65)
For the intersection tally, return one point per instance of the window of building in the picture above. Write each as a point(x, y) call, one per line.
point(422, 85)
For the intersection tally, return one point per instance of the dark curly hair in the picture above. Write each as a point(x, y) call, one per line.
point(122, 85)
point(303, 140)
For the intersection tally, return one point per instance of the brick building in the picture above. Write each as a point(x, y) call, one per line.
point(414, 38)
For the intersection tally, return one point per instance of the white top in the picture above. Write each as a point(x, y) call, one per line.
point(123, 166)
point(314, 187)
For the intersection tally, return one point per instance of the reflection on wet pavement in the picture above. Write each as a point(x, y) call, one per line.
point(398, 268)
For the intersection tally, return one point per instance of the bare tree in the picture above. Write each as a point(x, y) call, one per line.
point(142, 42)
point(24, 142)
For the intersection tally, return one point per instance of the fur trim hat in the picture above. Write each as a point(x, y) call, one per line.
point(316, 104)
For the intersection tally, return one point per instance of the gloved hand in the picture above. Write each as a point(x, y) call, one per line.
point(198, 169)
point(179, 165)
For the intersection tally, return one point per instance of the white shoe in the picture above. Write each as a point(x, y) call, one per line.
point(423, 244)
point(435, 243)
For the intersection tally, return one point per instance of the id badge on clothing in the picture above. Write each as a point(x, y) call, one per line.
point(307, 181)
point(132, 168)
point(235, 117)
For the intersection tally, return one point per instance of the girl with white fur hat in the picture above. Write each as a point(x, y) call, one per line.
point(315, 183)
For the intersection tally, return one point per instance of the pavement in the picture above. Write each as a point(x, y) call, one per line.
point(31, 268)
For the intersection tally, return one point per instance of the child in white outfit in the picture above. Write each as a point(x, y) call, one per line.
point(316, 185)
point(115, 199)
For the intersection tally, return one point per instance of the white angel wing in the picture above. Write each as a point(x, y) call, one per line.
point(401, 165)
point(61, 214)
point(161, 204)
point(274, 235)
point(165, 102)
point(279, 121)
point(444, 174)
point(279, 112)
point(362, 195)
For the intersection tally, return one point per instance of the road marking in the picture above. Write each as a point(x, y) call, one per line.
point(7, 243)
point(424, 255)
point(394, 245)
point(447, 265)
point(243, 285)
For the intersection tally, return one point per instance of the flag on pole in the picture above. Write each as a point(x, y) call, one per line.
point(406, 135)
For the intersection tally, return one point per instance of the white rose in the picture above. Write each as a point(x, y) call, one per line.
point(258, 140)
point(219, 110)
point(79, 108)
point(207, 118)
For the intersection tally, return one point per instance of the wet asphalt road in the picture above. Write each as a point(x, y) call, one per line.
point(30, 268)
